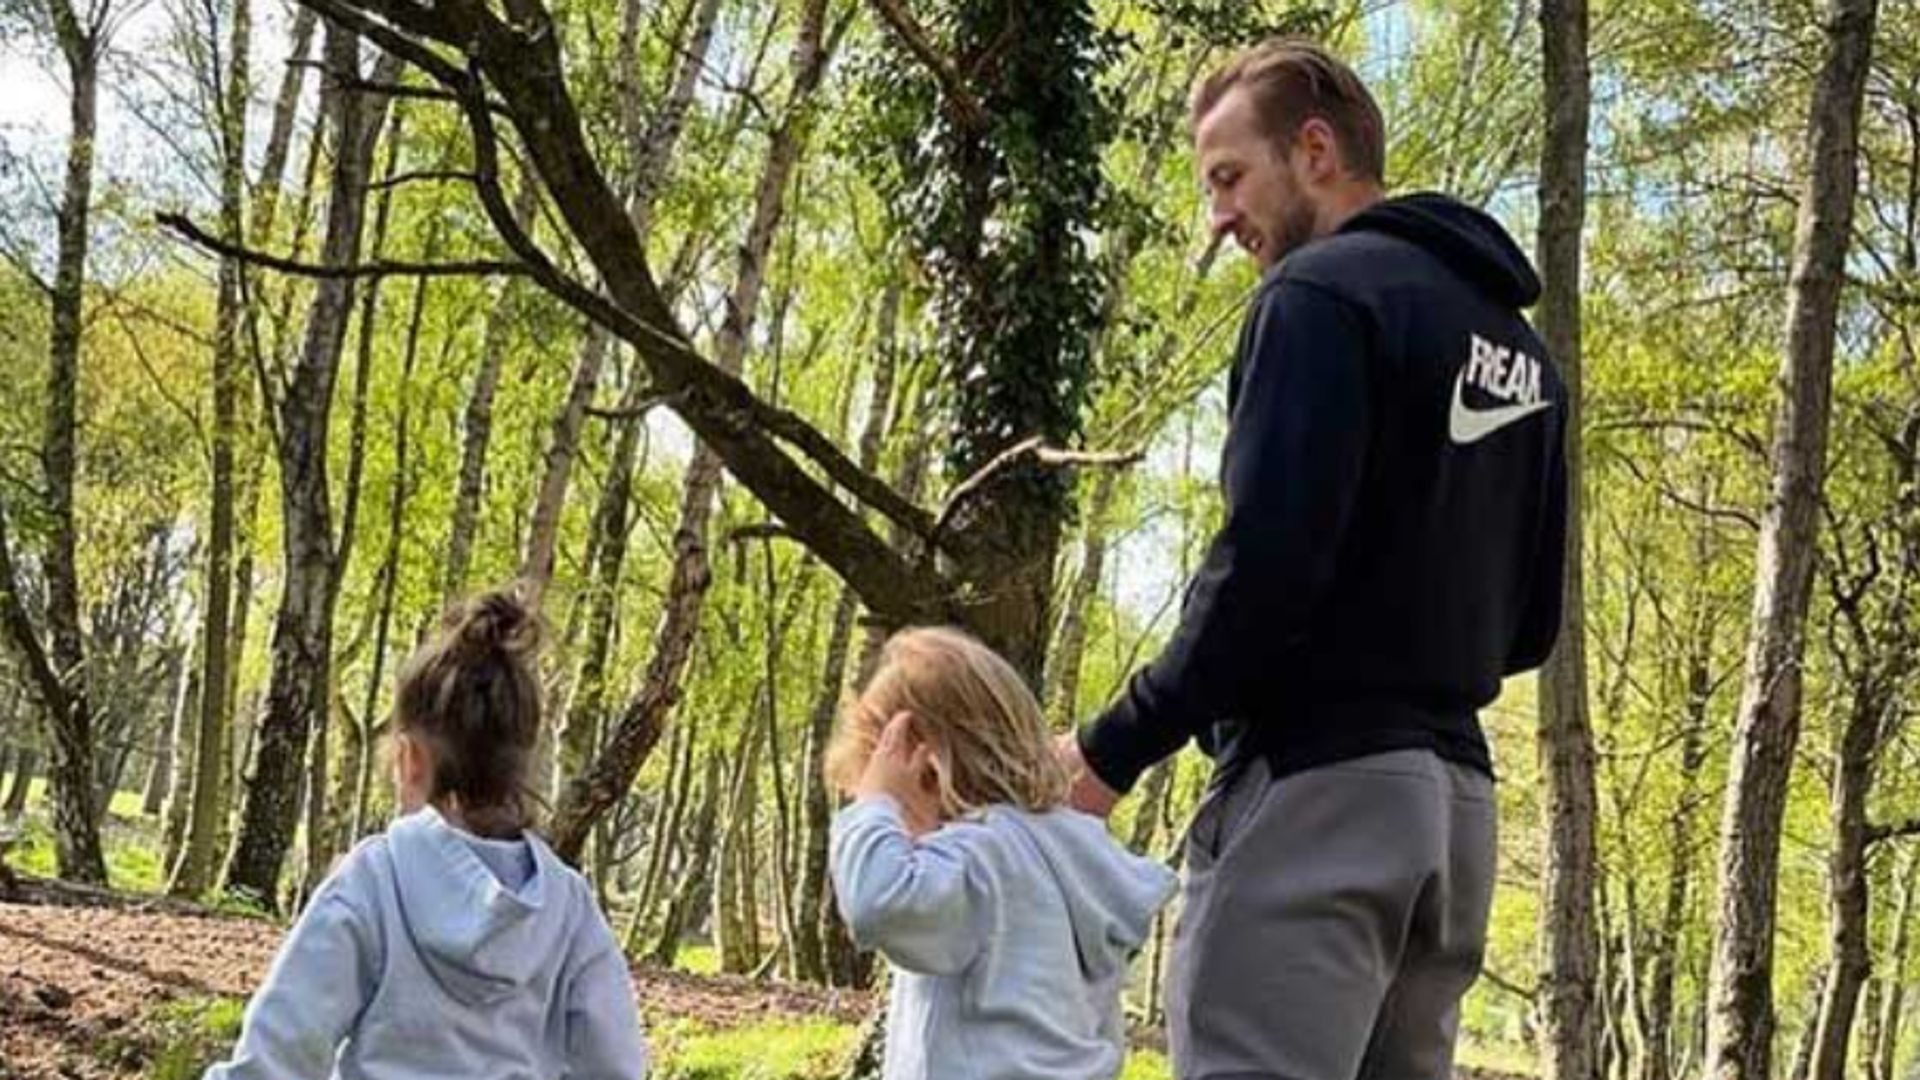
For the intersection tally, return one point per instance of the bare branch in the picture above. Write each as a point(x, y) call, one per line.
point(423, 176)
point(521, 63)
point(1893, 830)
point(1041, 454)
point(638, 410)
point(184, 226)
point(766, 530)
point(1495, 979)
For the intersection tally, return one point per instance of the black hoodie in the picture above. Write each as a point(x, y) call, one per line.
point(1395, 485)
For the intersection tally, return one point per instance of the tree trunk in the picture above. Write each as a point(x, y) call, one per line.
point(543, 534)
point(730, 914)
point(64, 692)
point(383, 628)
point(273, 161)
point(303, 630)
point(1012, 322)
point(783, 875)
point(667, 946)
point(590, 794)
point(665, 843)
point(817, 915)
point(159, 785)
point(323, 814)
point(652, 147)
point(1847, 899)
point(1658, 1060)
point(586, 712)
point(212, 749)
point(1741, 1020)
point(476, 424)
point(1886, 1047)
point(186, 742)
point(696, 879)
point(1070, 646)
point(1568, 1003)
point(153, 796)
point(26, 766)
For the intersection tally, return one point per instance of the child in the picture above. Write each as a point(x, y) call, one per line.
point(456, 944)
point(1007, 918)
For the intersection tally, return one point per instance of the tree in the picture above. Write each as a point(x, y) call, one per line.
point(1741, 1025)
point(303, 629)
point(595, 790)
point(195, 872)
point(57, 666)
point(1566, 739)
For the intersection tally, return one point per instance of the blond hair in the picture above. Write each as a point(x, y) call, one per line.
point(989, 739)
point(1292, 80)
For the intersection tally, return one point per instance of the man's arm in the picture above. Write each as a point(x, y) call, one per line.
point(1296, 449)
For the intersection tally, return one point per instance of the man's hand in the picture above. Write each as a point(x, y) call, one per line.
point(902, 769)
point(1089, 794)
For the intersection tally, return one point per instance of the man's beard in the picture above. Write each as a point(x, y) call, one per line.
point(1294, 229)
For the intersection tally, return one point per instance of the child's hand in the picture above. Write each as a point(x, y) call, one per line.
point(902, 768)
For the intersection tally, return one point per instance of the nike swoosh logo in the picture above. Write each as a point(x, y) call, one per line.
point(1466, 425)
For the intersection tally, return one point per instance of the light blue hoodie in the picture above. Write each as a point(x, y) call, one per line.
point(1009, 936)
point(430, 953)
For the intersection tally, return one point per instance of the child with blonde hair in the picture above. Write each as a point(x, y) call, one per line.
point(1008, 919)
point(455, 944)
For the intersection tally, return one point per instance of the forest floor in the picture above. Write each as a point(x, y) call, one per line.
point(100, 985)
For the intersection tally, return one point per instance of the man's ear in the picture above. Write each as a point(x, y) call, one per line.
point(1318, 150)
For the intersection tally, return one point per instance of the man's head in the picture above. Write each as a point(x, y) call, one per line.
point(1289, 144)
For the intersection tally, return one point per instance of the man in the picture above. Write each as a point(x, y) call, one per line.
point(1393, 546)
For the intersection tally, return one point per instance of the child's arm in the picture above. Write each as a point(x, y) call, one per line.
point(319, 983)
point(908, 899)
point(603, 1025)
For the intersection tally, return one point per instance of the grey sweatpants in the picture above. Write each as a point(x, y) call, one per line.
point(1333, 919)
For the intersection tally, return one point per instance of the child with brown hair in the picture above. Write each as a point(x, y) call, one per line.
point(1008, 919)
point(456, 944)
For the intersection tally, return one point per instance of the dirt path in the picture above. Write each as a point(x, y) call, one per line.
point(81, 970)
point(76, 980)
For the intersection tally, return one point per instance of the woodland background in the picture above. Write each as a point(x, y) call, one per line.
point(744, 329)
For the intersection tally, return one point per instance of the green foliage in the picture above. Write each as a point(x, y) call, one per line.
point(133, 857)
point(780, 1050)
point(187, 1035)
point(999, 207)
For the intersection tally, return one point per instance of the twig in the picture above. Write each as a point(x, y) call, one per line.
point(184, 226)
point(1497, 980)
point(638, 410)
point(1892, 830)
point(421, 176)
point(766, 530)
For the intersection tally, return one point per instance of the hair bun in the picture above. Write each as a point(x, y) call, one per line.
point(496, 621)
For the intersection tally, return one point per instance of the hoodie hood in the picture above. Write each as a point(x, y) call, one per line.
point(1467, 239)
point(1111, 894)
point(480, 939)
